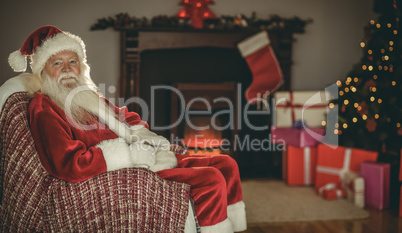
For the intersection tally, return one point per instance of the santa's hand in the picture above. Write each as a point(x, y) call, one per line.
point(142, 155)
point(164, 160)
point(139, 133)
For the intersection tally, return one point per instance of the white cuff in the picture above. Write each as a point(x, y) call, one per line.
point(253, 43)
point(223, 227)
point(237, 215)
point(116, 153)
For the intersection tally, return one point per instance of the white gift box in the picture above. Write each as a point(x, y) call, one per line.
point(308, 106)
point(354, 188)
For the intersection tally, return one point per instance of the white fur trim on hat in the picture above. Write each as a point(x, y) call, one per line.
point(17, 61)
point(63, 41)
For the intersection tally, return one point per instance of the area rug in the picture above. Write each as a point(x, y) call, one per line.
point(273, 201)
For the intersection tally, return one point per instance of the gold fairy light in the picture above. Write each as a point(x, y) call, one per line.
point(378, 25)
point(362, 44)
point(379, 67)
point(379, 101)
point(346, 102)
point(356, 105)
point(391, 43)
point(364, 67)
point(336, 125)
point(336, 131)
point(393, 83)
point(323, 123)
point(353, 89)
point(391, 48)
point(370, 51)
point(364, 117)
point(349, 79)
point(354, 119)
point(346, 89)
point(339, 83)
point(388, 25)
point(345, 125)
point(372, 98)
point(382, 50)
point(385, 68)
point(375, 77)
point(373, 89)
point(359, 108)
point(372, 22)
point(376, 116)
point(386, 58)
point(398, 124)
point(395, 32)
point(331, 105)
point(355, 79)
point(341, 93)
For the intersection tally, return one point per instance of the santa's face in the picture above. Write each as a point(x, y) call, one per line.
point(64, 67)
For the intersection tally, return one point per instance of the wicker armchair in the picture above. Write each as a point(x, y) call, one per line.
point(31, 200)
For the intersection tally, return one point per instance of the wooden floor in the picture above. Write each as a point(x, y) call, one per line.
point(379, 222)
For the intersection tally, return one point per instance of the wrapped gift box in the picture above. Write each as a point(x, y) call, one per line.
point(297, 137)
point(307, 106)
point(355, 188)
point(299, 165)
point(334, 161)
point(377, 182)
point(332, 191)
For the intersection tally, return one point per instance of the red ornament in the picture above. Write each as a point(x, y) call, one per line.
point(371, 124)
point(370, 58)
point(343, 109)
point(363, 108)
point(196, 11)
point(399, 131)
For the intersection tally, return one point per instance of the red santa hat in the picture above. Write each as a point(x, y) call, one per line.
point(43, 43)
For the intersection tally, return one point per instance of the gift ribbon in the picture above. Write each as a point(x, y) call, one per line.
point(307, 158)
point(289, 104)
point(340, 172)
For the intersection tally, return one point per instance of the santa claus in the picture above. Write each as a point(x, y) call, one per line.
point(79, 134)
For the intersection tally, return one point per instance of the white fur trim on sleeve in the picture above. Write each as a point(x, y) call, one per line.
point(116, 153)
point(237, 215)
point(223, 227)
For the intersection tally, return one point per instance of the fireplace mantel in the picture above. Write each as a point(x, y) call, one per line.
point(136, 40)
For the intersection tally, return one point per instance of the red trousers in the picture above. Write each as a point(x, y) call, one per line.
point(215, 184)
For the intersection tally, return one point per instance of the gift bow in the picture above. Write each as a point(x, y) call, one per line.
point(340, 172)
point(328, 187)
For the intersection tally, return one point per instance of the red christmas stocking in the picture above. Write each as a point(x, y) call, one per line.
point(261, 59)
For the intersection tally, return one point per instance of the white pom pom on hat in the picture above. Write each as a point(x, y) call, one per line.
point(43, 43)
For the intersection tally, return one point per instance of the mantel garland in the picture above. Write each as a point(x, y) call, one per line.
point(124, 20)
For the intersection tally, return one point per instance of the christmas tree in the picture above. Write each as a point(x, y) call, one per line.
point(370, 99)
point(196, 11)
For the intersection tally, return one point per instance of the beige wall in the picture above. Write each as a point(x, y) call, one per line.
point(324, 54)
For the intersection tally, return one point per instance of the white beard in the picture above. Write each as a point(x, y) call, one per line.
point(79, 99)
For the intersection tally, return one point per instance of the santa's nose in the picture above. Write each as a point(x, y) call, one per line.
point(66, 67)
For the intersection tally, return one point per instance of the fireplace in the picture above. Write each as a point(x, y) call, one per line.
point(155, 63)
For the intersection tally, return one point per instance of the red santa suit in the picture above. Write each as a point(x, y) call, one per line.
point(73, 154)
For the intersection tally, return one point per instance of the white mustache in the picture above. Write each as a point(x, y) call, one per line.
point(67, 75)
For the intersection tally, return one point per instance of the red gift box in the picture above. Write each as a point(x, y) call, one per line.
point(377, 182)
point(332, 191)
point(297, 137)
point(299, 165)
point(334, 161)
